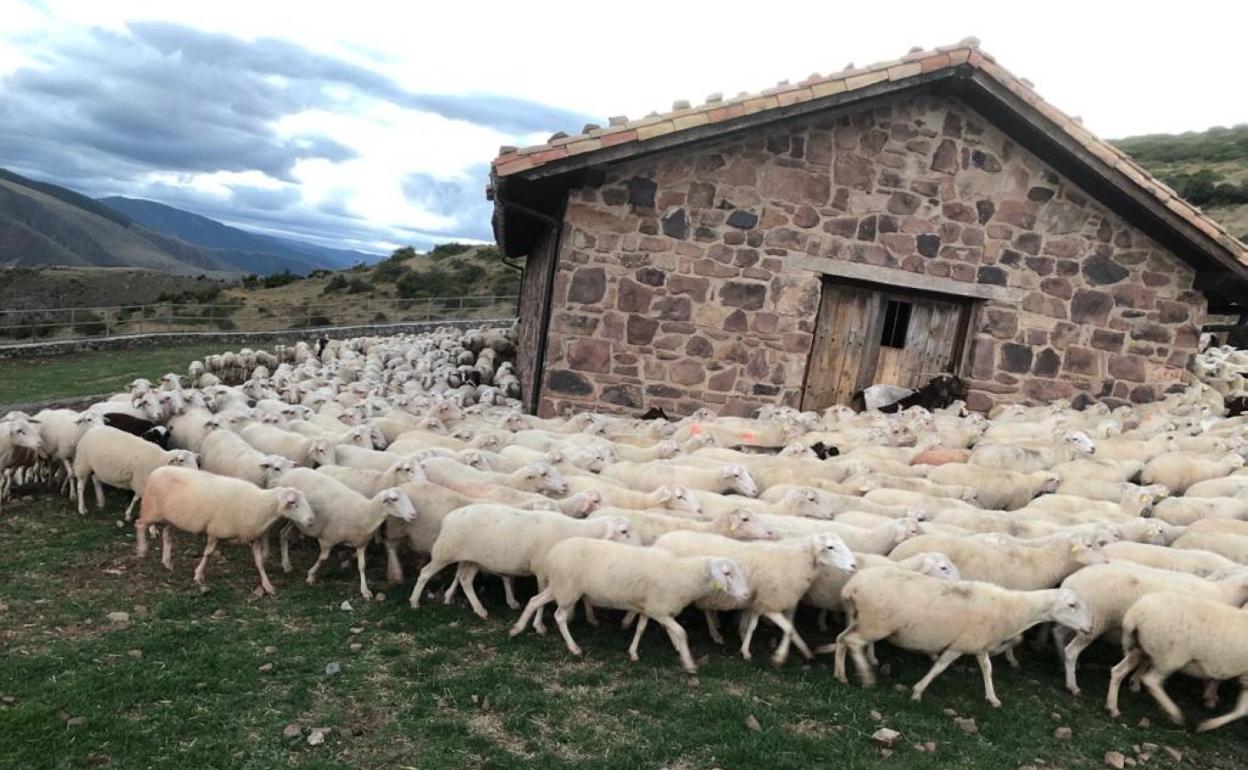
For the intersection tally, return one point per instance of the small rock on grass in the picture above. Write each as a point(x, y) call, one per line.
point(1144, 722)
point(8, 700)
point(356, 647)
point(694, 682)
point(1174, 753)
point(345, 606)
point(751, 724)
point(292, 730)
point(119, 617)
point(1063, 732)
point(949, 712)
point(332, 669)
point(317, 736)
point(966, 725)
point(270, 650)
point(4, 606)
point(885, 737)
point(1115, 760)
point(218, 614)
point(266, 668)
point(136, 653)
point(379, 598)
point(75, 721)
point(875, 715)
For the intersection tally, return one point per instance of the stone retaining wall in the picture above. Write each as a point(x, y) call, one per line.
point(672, 287)
point(230, 339)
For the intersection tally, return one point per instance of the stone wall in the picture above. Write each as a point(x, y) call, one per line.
point(228, 339)
point(672, 287)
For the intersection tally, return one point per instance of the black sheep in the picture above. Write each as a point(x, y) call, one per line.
point(939, 392)
point(137, 426)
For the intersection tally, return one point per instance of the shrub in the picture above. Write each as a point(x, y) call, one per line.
point(389, 271)
point(444, 250)
point(88, 324)
point(337, 283)
point(278, 279)
point(358, 286)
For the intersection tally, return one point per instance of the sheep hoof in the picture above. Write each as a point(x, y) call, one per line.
point(310, 581)
point(513, 632)
point(691, 669)
point(777, 660)
point(541, 630)
point(258, 592)
point(994, 702)
point(169, 566)
point(633, 657)
point(482, 614)
point(368, 595)
point(577, 651)
point(916, 696)
point(1204, 726)
point(514, 605)
point(1113, 712)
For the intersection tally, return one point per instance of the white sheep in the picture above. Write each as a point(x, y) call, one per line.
point(536, 478)
point(226, 454)
point(17, 436)
point(1109, 590)
point(301, 450)
point(1195, 562)
point(508, 542)
point(1229, 544)
point(1098, 469)
point(343, 516)
point(945, 618)
point(1171, 632)
point(649, 526)
point(1008, 562)
point(999, 489)
point(1037, 456)
point(369, 482)
point(109, 456)
point(60, 430)
point(653, 582)
point(221, 507)
point(1186, 509)
point(779, 575)
point(1179, 470)
point(647, 477)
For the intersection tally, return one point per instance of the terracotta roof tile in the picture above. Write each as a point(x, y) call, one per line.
point(716, 109)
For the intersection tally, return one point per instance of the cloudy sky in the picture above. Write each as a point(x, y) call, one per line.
point(371, 124)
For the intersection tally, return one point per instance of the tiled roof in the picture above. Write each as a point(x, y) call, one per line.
point(716, 109)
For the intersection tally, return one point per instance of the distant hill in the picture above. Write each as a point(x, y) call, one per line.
point(202, 231)
point(1208, 168)
point(43, 224)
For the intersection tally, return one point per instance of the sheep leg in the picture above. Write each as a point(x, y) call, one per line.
point(140, 538)
point(985, 670)
point(99, 491)
point(257, 555)
point(562, 613)
point(540, 599)
point(629, 617)
point(359, 564)
point(1008, 652)
point(590, 617)
point(850, 642)
point(790, 636)
point(641, 628)
point(871, 655)
point(680, 640)
point(509, 593)
point(947, 657)
point(320, 559)
point(68, 486)
point(749, 621)
point(166, 547)
point(1139, 675)
point(394, 567)
point(1240, 710)
point(432, 568)
point(82, 499)
point(449, 594)
point(1118, 673)
point(467, 580)
point(1154, 680)
point(712, 626)
point(209, 547)
point(130, 507)
point(1210, 694)
point(284, 540)
point(1070, 656)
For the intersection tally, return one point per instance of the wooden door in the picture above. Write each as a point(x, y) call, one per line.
point(868, 335)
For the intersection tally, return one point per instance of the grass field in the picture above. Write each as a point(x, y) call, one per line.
point(87, 374)
point(180, 684)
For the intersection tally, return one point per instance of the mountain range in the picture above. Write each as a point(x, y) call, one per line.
point(43, 224)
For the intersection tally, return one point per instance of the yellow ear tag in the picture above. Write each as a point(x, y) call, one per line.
point(719, 586)
point(1074, 549)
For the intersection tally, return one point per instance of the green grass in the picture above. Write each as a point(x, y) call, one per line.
point(87, 374)
point(415, 692)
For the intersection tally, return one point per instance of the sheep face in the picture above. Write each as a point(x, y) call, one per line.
point(1049, 483)
point(744, 526)
point(1071, 611)
point(805, 501)
point(678, 498)
point(407, 470)
point(620, 530)
point(1086, 550)
point(797, 450)
point(272, 466)
point(396, 504)
point(88, 420)
point(906, 529)
point(474, 458)
point(544, 478)
point(739, 480)
point(22, 433)
point(592, 460)
point(831, 552)
point(938, 565)
point(918, 515)
point(320, 452)
point(181, 458)
point(295, 506)
point(1079, 442)
point(727, 577)
point(591, 501)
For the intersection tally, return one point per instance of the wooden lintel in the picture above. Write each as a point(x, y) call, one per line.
point(903, 278)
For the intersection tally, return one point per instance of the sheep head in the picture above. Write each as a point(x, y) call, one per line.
point(620, 530)
point(678, 498)
point(739, 480)
point(743, 525)
point(295, 506)
point(727, 577)
point(938, 565)
point(1069, 610)
point(396, 504)
point(831, 552)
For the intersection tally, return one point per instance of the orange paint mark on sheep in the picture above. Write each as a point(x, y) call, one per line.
point(696, 428)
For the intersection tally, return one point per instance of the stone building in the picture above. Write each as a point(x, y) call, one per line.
point(883, 224)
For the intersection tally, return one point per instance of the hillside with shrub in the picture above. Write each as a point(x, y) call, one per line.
point(1208, 168)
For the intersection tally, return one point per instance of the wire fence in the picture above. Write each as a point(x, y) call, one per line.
point(72, 323)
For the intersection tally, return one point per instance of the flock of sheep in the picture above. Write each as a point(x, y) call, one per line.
point(940, 532)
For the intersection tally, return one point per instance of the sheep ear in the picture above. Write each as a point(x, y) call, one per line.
point(290, 499)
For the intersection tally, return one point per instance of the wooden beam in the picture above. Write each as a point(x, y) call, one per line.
point(888, 276)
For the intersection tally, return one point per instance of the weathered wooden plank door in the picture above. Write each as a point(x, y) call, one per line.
point(842, 344)
point(868, 335)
